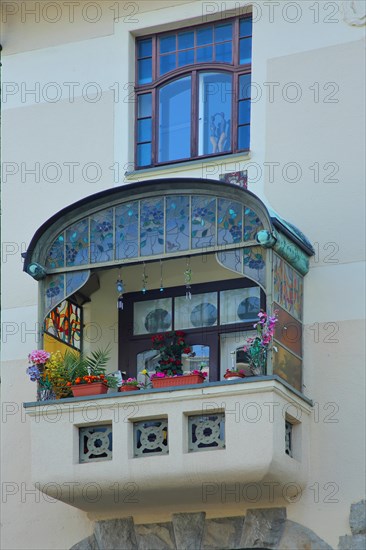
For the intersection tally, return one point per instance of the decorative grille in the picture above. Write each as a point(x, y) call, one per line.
point(206, 432)
point(95, 443)
point(150, 437)
point(288, 440)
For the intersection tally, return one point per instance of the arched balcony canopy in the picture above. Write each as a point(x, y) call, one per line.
point(148, 220)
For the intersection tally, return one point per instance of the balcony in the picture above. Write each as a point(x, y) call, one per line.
point(131, 451)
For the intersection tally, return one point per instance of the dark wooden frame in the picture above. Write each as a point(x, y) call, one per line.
point(129, 344)
point(234, 68)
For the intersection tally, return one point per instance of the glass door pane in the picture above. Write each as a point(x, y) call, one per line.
point(232, 353)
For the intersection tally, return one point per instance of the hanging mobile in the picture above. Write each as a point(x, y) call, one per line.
point(161, 277)
point(188, 279)
point(144, 279)
point(120, 289)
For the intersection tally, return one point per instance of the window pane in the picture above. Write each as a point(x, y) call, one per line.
point(185, 40)
point(245, 27)
point(145, 71)
point(185, 58)
point(144, 48)
point(204, 36)
point(175, 120)
point(144, 105)
point(167, 63)
point(204, 54)
point(239, 305)
point(223, 52)
point(201, 358)
point(244, 86)
point(244, 112)
point(200, 311)
point(144, 129)
point(152, 316)
point(168, 43)
point(245, 50)
point(243, 137)
point(215, 94)
point(223, 32)
point(144, 154)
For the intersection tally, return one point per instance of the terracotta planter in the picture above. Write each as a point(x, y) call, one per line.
point(95, 388)
point(128, 388)
point(233, 375)
point(183, 380)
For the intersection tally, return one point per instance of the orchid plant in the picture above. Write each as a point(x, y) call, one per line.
point(257, 347)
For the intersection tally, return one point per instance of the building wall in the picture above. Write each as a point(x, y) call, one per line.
point(321, 132)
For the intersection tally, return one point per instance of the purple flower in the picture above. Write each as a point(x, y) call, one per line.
point(33, 373)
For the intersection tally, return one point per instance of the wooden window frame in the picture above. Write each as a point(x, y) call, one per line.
point(129, 344)
point(235, 69)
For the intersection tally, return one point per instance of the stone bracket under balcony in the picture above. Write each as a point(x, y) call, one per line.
point(211, 444)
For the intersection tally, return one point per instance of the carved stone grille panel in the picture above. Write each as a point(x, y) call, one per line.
point(150, 437)
point(288, 441)
point(206, 432)
point(95, 443)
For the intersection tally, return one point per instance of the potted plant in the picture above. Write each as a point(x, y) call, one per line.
point(87, 374)
point(37, 372)
point(171, 346)
point(257, 347)
point(230, 374)
point(131, 384)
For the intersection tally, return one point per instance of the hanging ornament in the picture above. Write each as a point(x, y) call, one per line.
point(144, 279)
point(120, 289)
point(161, 277)
point(188, 279)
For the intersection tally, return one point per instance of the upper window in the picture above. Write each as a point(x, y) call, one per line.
point(193, 93)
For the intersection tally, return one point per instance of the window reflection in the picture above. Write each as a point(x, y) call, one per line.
point(199, 357)
point(215, 95)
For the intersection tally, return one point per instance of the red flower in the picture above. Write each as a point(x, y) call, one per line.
point(187, 350)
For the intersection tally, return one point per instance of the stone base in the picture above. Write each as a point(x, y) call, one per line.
point(261, 528)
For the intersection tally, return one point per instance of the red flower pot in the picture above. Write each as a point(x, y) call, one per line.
point(232, 375)
point(128, 388)
point(95, 388)
point(183, 380)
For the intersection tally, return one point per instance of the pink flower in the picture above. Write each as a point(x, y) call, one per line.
point(39, 357)
point(160, 375)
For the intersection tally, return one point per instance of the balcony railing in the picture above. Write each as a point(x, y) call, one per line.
point(136, 449)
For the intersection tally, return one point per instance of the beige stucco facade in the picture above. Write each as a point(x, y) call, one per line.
point(63, 142)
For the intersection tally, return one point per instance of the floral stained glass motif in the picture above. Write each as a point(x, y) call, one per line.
point(151, 227)
point(254, 261)
point(229, 222)
point(64, 324)
point(287, 282)
point(177, 223)
point(203, 222)
point(54, 290)
point(77, 243)
point(232, 259)
point(297, 295)
point(101, 237)
point(277, 278)
point(127, 216)
point(252, 224)
point(75, 280)
point(56, 255)
point(287, 287)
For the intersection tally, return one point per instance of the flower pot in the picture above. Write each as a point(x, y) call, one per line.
point(233, 375)
point(183, 380)
point(95, 388)
point(129, 388)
